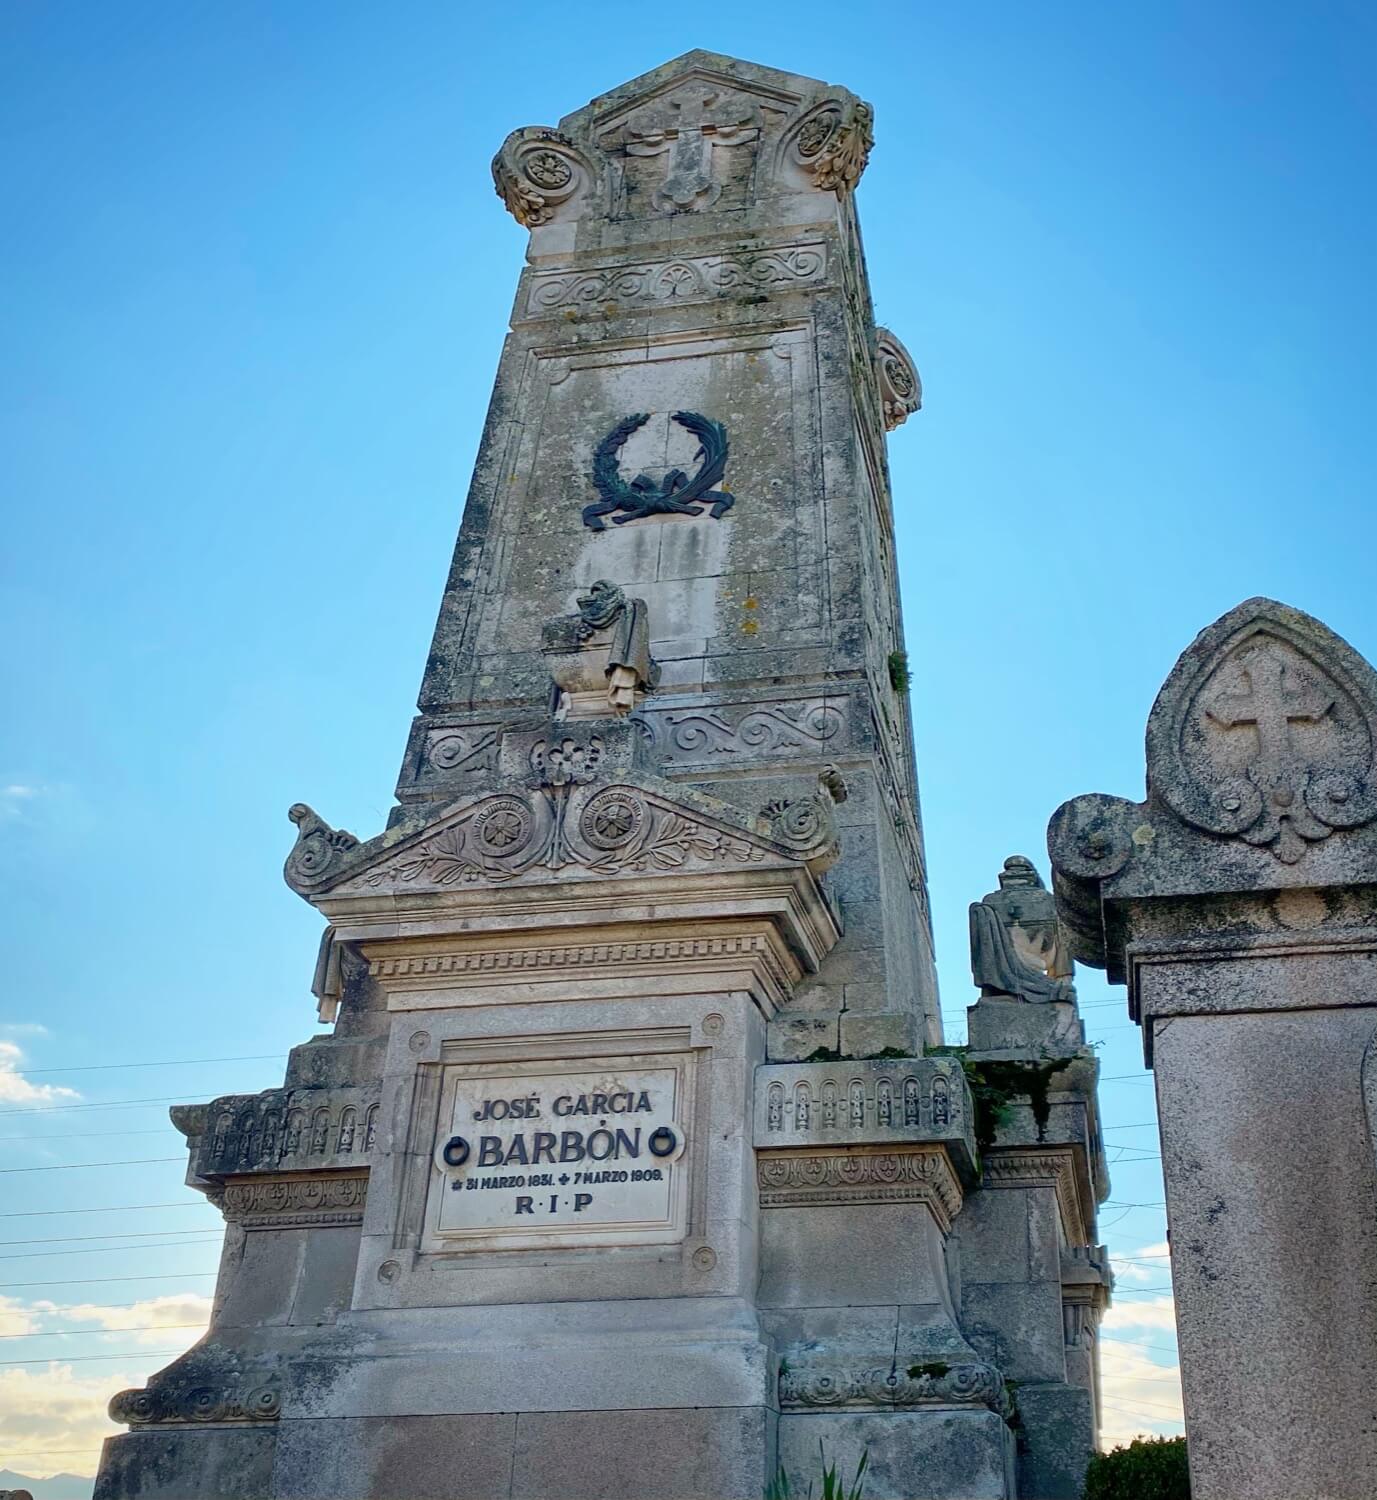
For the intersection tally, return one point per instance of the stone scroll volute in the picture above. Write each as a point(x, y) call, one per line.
point(542, 176)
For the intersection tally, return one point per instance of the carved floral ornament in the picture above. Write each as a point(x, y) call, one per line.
point(1263, 736)
point(832, 143)
point(537, 172)
point(567, 825)
point(901, 390)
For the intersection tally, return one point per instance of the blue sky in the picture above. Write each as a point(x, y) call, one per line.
point(256, 285)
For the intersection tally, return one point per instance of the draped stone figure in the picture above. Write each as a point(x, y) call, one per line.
point(1017, 945)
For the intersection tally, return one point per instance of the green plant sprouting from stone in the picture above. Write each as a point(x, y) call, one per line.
point(997, 1083)
point(898, 671)
point(834, 1486)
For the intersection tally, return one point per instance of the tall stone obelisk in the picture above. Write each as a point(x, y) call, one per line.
point(622, 1170)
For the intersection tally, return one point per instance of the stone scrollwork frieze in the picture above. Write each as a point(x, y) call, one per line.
point(763, 729)
point(538, 171)
point(691, 279)
point(937, 1383)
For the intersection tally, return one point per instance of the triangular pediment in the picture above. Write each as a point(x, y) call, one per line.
point(634, 826)
point(769, 86)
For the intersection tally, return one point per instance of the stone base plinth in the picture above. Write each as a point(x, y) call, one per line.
point(938, 1453)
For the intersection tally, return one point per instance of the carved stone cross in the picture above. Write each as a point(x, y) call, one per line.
point(688, 126)
point(1271, 704)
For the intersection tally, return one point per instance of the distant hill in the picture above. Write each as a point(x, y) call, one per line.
point(58, 1487)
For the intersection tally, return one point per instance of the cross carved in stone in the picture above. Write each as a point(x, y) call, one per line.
point(1272, 703)
point(688, 126)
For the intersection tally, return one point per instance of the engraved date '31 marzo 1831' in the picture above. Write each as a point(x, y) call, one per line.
point(676, 493)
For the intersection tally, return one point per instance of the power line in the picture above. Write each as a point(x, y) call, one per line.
point(67, 1333)
point(176, 1062)
point(74, 1166)
point(113, 1208)
point(84, 1135)
point(53, 1109)
point(105, 1249)
point(10, 1286)
point(1139, 1344)
point(75, 1359)
point(69, 1239)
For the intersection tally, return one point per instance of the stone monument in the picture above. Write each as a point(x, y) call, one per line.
point(1238, 902)
point(630, 1164)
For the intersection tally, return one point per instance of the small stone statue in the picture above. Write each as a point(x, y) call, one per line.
point(629, 666)
point(1017, 946)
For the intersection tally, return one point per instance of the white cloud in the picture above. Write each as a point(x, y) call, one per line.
point(15, 1318)
point(24, 1028)
point(53, 1420)
point(1157, 1313)
point(1151, 1263)
point(16, 1089)
point(1138, 1395)
point(188, 1312)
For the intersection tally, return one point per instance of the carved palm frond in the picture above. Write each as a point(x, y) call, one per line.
point(712, 452)
point(607, 478)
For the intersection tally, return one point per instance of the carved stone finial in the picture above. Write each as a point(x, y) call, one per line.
point(1265, 732)
point(832, 143)
point(1017, 946)
point(901, 391)
point(537, 172)
point(1261, 748)
point(317, 850)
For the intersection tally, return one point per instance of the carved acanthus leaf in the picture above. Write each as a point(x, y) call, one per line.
point(832, 143)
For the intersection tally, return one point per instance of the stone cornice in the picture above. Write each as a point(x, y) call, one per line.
point(1056, 1167)
point(859, 1175)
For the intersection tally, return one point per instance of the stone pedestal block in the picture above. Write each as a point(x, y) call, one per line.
point(910, 1455)
point(1239, 903)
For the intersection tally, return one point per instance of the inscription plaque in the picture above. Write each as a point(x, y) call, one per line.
point(567, 1154)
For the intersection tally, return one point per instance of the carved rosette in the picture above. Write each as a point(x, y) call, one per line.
point(317, 852)
point(832, 143)
point(166, 1402)
point(537, 172)
point(901, 390)
point(939, 1383)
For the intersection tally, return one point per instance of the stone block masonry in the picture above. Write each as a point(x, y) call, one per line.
point(622, 1169)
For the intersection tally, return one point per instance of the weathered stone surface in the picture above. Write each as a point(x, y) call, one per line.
point(170, 1464)
point(1237, 902)
point(939, 1455)
point(364, 1458)
point(529, 1221)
